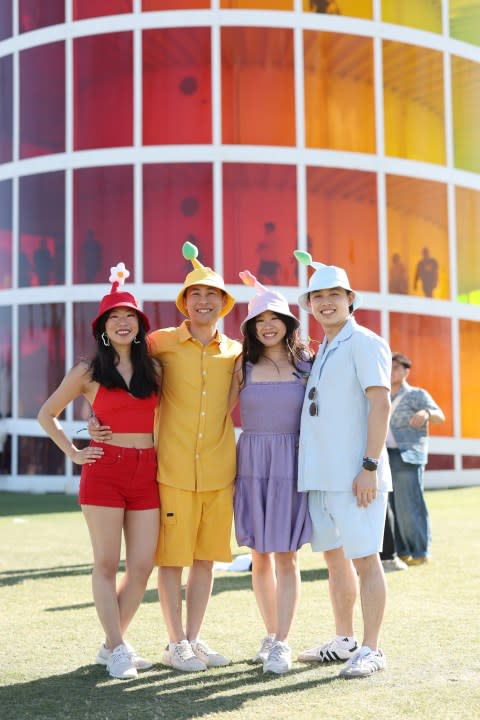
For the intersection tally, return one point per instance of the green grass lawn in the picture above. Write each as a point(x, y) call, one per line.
point(49, 633)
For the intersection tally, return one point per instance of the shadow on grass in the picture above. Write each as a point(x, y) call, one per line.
point(12, 503)
point(13, 577)
point(159, 693)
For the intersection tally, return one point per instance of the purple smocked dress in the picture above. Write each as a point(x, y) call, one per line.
point(270, 514)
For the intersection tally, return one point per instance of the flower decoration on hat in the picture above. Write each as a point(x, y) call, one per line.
point(248, 279)
point(304, 258)
point(118, 275)
point(263, 300)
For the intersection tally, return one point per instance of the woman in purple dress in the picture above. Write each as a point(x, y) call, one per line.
point(271, 517)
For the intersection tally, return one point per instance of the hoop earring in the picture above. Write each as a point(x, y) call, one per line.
point(105, 339)
point(136, 341)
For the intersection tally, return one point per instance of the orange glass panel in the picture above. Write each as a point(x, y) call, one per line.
point(103, 90)
point(417, 237)
point(413, 102)
point(95, 8)
point(466, 111)
point(102, 222)
point(349, 8)
point(257, 4)
point(469, 378)
point(465, 20)
point(338, 87)
point(468, 245)
point(260, 222)
point(342, 223)
point(427, 342)
point(421, 14)
point(257, 86)
point(177, 103)
point(174, 4)
point(177, 206)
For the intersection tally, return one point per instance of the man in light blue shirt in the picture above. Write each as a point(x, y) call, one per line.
point(343, 465)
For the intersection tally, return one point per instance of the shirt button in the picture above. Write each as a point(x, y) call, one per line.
point(196, 457)
point(200, 435)
point(204, 392)
point(202, 413)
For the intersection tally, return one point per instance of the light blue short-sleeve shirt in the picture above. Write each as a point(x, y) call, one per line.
point(332, 443)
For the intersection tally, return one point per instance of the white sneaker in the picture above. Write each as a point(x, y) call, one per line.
point(279, 659)
point(137, 661)
point(394, 564)
point(365, 662)
point(119, 664)
point(264, 649)
point(181, 657)
point(331, 652)
point(209, 657)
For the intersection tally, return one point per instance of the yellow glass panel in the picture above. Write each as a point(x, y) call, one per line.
point(349, 8)
point(417, 229)
point(342, 222)
point(427, 342)
point(469, 378)
point(338, 87)
point(468, 245)
point(258, 105)
point(413, 102)
point(466, 113)
point(421, 14)
point(465, 20)
point(257, 4)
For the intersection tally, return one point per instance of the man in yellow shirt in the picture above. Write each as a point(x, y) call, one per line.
point(196, 460)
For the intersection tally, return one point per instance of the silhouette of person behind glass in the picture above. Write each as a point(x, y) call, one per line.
point(398, 276)
point(269, 268)
point(92, 255)
point(43, 262)
point(328, 7)
point(24, 270)
point(427, 273)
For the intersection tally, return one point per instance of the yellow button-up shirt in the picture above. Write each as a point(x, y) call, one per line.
point(193, 428)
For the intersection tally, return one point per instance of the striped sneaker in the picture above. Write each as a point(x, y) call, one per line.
point(363, 663)
point(331, 652)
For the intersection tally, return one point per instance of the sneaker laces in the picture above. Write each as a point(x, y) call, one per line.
point(278, 650)
point(119, 653)
point(266, 644)
point(183, 650)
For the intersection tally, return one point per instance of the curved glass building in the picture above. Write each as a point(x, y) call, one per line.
point(251, 127)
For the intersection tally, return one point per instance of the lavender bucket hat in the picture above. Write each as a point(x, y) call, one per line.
point(264, 300)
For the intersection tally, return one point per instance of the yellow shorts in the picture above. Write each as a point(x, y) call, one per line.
point(194, 526)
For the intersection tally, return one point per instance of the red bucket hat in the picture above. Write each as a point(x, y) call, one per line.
point(114, 299)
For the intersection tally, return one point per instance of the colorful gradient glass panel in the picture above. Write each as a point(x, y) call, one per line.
point(6, 219)
point(465, 20)
point(5, 19)
point(417, 227)
point(349, 8)
point(427, 342)
point(421, 14)
point(5, 362)
point(469, 332)
point(95, 8)
point(6, 108)
point(34, 14)
point(466, 112)
point(257, 4)
point(338, 88)
point(413, 102)
point(148, 5)
point(468, 245)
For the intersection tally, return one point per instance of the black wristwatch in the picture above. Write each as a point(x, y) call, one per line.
point(370, 463)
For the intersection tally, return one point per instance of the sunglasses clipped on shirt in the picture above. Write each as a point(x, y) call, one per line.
point(313, 396)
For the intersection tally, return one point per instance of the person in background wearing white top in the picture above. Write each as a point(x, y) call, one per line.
point(343, 465)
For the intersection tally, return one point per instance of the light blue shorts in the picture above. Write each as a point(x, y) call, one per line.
point(338, 522)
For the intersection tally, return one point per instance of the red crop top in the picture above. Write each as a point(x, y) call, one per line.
point(124, 412)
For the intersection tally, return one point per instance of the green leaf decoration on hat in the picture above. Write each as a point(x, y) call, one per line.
point(304, 258)
point(190, 252)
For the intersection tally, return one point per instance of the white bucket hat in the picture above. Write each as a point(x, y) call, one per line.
point(324, 277)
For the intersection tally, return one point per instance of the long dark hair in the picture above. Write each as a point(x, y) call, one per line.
point(103, 365)
point(253, 349)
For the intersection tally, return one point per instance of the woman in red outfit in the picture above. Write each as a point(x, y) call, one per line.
point(118, 488)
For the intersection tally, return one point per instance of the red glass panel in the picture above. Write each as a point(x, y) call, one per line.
point(102, 222)
point(95, 8)
point(39, 456)
point(41, 364)
point(6, 106)
point(83, 347)
point(235, 318)
point(6, 234)
point(5, 364)
point(427, 342)
point(470, 462)
point(440, 462)
point(148, 5)
point(260, 222)
point(177, 104)
point(6, 455)
point(163, 314)
point(42, 100)
point(177, 206)
point(103, 91)
point(35, 14)
point(257, 86)
point(342, 223)
point(5, 19)
point(41, 258)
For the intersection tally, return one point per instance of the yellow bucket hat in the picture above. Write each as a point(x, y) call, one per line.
point(201, 275)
